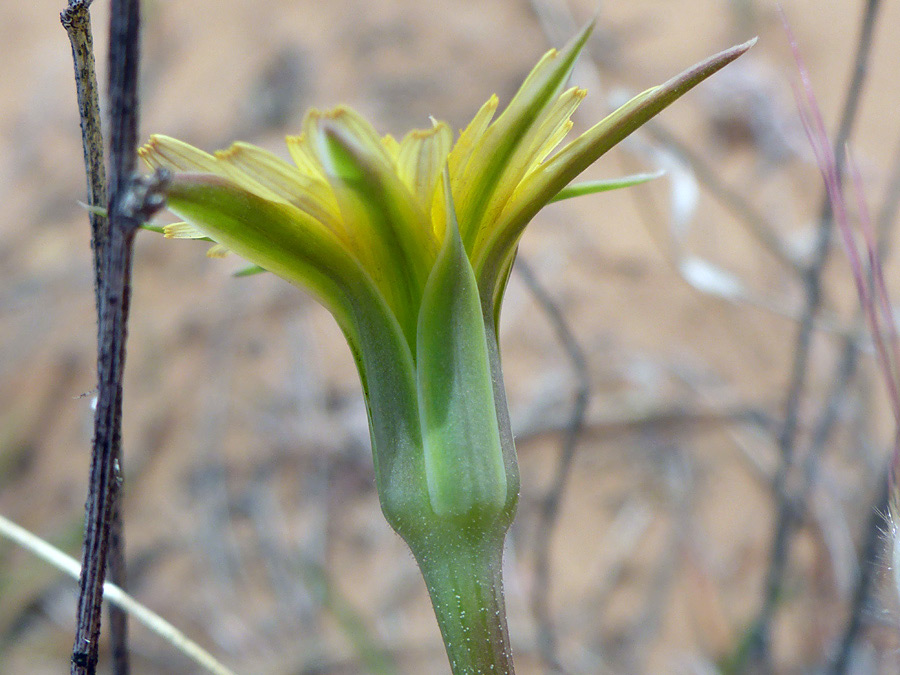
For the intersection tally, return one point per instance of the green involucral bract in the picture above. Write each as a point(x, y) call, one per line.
point(464, 466)
point(409, 244)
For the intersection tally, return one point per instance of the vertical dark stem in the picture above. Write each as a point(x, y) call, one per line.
point(118, 619)
point(124, 209)
point(124, 55)
point(76, 19)
point(107, 433)
point(787, 506)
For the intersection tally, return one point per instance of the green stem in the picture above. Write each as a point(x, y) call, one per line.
point(464, 579)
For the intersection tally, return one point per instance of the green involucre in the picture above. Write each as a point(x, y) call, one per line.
point(464, 466)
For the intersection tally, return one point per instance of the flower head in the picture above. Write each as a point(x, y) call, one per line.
point(410, 244)
point(356, 208)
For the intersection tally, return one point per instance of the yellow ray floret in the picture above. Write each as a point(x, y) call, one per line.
point(373, 209)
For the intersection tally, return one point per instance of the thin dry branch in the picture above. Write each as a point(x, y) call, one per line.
point(131, 202)
point(787, 506)
point(853, 342)
point(76, 19)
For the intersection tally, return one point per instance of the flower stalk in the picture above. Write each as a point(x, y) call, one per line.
point(465, 581)
point(410, 244)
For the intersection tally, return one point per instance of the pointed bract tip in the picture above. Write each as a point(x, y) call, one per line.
point(738, 50)
point(581, 37)
point(748, 44)
point(691, 77)
point(596, 15)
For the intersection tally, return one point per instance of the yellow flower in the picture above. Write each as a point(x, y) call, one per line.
point(409, 244)
point(357, 208)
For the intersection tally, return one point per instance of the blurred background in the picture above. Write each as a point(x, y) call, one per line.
point(645, 540)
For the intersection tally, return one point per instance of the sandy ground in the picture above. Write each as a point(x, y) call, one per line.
point(252, 521)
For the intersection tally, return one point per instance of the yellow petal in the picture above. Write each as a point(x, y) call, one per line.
point(421, 158)
point(391, 145)
point(536, 144)
point(301, 153)
point(468, 139)
point(183, 231)
point(555, 126)
point(217, 251)
point(544, 183)
point(355, 124)
point(273, 178)
point(170, 153)
point(500, 149)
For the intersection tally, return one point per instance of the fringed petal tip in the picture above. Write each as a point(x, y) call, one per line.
point(217, 251)
point(147, 152)
point(229, 153)
point(170, 153)
point(183, 231)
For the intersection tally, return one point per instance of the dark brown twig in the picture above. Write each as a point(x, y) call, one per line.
point(118, 619)
point(76, 19)
point(787, 505)
point(131, 201)
point(549, 507)
point(139, 199)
